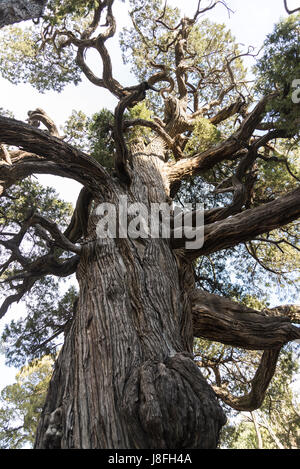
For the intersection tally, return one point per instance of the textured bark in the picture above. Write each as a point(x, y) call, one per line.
point(125, 377)
point(14, 11)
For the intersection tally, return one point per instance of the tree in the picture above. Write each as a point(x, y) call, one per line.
point(21, 404)
point(125, 377)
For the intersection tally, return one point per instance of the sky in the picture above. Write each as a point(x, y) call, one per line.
point(250, 22)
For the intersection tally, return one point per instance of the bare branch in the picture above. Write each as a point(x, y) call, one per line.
point(39, 116)
point(227, 112)
point(290, 12)
point(78, 224)
point(259, 385)
point(59, 238)
point(46, 265)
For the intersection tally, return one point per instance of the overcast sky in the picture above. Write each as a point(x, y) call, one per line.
point(250, 22)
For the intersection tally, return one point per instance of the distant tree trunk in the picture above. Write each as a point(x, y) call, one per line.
point(273, 435)
point(125, 377)
point(14, 11)
point(257, 431)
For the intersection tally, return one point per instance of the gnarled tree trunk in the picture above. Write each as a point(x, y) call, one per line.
point(125, 377)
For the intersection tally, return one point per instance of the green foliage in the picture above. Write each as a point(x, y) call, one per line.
point(209, 45)
point(6, 113)
point(212, 44)
point(204, 136)
point(277, 175)
point(38, 54)
point(76, 129)
point(100, 138)
point(139, 111)
point(279, 415)
point(45, 316)
point(92, 135)
point(48, 317)
point(28, 196)
point(57, 10)
point(234, 272)
point(277, 69)
point(239, 436)
point(21, 404)
point(24, 59)
point(139, 44)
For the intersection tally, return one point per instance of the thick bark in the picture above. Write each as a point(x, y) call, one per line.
point(222, 320)
point(14, 11)
point(125, 377)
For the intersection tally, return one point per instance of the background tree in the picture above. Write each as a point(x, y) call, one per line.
point(21, 404)
point(129, 336)
point(276, 424)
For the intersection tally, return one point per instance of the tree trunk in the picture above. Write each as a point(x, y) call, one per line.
point(257, 431)
point(125, 377)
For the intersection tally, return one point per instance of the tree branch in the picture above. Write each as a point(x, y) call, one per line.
point(39, 116)
point(46, 265)
point(222, 320)
point(245, 226)
point(71, 161)
point(59, 239)
point(290, 12)
point(78, 224)
point(259, 385)
point(190, 167)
